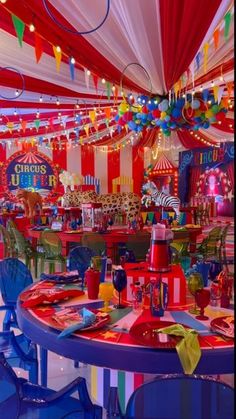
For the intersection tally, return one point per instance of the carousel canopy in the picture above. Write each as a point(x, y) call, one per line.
point(115, 72)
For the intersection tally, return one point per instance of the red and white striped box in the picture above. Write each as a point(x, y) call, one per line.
point(174, 278)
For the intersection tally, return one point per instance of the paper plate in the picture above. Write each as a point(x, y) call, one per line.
point(220, 325)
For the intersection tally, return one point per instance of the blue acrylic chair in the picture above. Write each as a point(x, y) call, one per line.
point(79, 259)
point(14, 277)
point(177, 397)
point(21, 399)
point(20, 352)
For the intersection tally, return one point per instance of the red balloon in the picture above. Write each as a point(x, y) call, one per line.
point(145, 109)
point(156, 113)
point(220, 116)
point(121, 122)
point(128, 116)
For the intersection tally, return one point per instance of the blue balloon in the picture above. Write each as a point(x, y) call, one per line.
point(149, 117)
point(132, 125)
point(180, 103)
point(158, 122)
point(205, 94)
point(176, 112)
point(196, 104)
point(167, 118)
point(164, 125)
point(117, 117)
point(173, 125)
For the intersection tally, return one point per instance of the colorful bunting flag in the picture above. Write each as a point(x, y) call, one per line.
point(92, 116)
point(220, 94)
point(86, 128)
point(72, 69)
point(205, 56)
point(216, 37)
point(37, 123)
point(23, 125)
point(86, 76)
point(198, 59)
point(95, 81)
point(215, 91)
point(108, 84)
point(227, 20)
point(10, 126)
point(38, 47)
point(58, 55)
point(19, 28)
point(107, 111)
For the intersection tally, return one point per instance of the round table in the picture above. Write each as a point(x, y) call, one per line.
point(113, 348)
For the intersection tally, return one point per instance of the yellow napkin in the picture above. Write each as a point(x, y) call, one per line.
point(188, 348)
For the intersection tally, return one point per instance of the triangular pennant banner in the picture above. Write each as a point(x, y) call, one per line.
point(229, 86)
point(10, 126)
point(86, 128)
point(19, 28)
point(144, 216)
point(108, 90)
point(95, 81)
point(198, 59)
point(151, 216)
point(220, 94)
point(215, 91)
point(86, 76)
point(96, 126)
point(107, 112)
point(92, 116)
point(227, 20)
point(205, 56)
point(37, 123)
point(72, 69)
point(216, 37)
point(23, 125)
point(58, 56)
point(38, 47)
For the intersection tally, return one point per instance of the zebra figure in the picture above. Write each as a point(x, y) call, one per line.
point(151, 193)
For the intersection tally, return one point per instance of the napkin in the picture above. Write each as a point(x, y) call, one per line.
point(88, 319)
point(64, 277)
point(188, 348)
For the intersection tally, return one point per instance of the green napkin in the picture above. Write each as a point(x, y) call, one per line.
point(187, 348)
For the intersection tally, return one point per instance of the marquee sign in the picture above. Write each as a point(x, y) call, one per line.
point(31, 171)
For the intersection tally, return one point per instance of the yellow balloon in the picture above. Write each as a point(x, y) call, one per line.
point(209, 113)
point(163, 114)
point(123, 107)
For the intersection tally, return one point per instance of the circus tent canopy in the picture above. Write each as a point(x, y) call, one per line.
point(66, 85)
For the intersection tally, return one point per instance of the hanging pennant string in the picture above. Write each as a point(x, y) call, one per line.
point(75, 32)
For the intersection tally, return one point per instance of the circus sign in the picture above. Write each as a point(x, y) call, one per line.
point(31, 171)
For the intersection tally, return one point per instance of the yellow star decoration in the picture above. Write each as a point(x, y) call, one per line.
point(109, 334)
point(219, 339)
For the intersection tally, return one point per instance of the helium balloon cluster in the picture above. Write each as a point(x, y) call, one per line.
point(190, 113)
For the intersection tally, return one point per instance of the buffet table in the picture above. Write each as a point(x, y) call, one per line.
point(113, 349)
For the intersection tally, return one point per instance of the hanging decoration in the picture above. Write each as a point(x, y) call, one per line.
point(19, 28)
point(73, 31)
point(183, 113)
point(17, 92)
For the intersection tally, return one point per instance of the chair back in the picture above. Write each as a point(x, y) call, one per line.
point(52, 245)
point(14, 277)
point(95, 242)
point(9, 391)
point(80, 258)
point(179, 397)
point(6, 241)
point(209, 246)
point(223, 234)
point(22, 245)
point(139, 243)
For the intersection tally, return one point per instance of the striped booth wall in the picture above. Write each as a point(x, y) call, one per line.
point(98, 162)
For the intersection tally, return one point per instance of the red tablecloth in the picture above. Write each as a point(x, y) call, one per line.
point(174, 278)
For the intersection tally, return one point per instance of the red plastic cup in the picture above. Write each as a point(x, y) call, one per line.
point(92, 279)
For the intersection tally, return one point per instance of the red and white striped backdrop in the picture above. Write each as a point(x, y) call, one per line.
point(96, 161)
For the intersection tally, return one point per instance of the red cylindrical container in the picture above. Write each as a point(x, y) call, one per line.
point(159, 256)
point(92, 279)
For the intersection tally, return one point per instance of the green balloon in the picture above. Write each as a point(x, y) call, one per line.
point(215, 109)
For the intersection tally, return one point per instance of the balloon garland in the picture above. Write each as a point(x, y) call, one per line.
point(184, 113)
